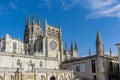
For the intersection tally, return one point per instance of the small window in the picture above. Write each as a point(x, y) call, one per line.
point(93, 66)
point(40, 63)
point(77, 68)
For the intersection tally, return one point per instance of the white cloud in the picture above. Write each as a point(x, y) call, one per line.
point(104, 8)
point(67, 4)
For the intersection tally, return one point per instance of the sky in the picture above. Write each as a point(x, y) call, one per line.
point(78, 19)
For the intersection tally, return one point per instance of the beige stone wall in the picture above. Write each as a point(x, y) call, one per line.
point(10, 61)
point(9, 45)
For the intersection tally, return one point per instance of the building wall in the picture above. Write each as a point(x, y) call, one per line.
point(8, 44)
point(118, 48)
point(102, 69)
point(26, 61)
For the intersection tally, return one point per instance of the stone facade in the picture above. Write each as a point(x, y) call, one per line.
point(39, 57)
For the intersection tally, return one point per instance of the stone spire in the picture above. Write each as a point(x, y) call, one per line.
point(28, 20)
point(72, 46)
point(76, 47)
point(39, 21)
point(33, 21)
point(99, 39)
point(99, 45)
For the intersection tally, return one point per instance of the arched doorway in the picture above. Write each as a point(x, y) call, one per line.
point(52, 78)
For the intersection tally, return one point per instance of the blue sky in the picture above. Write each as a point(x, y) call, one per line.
point(79, 20)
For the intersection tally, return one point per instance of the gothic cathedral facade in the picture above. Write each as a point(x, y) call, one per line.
point(39, 57)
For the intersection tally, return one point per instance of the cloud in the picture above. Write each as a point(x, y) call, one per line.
point(6, 7)
point(68, 4)
point(103, 8)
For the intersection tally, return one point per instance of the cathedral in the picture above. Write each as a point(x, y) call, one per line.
point(39, 57)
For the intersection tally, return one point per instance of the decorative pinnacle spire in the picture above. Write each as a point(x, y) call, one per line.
point(76, 47)
point(72, 46)
point(33, 21)
point(28, 20)
point(39, 21)
point(66, 46)
point(99, 39)
point(89, 51)
point(110, 51)
point(60, 31)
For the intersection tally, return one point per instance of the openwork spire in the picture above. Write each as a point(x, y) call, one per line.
point(28, 20)
point(33, 20)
